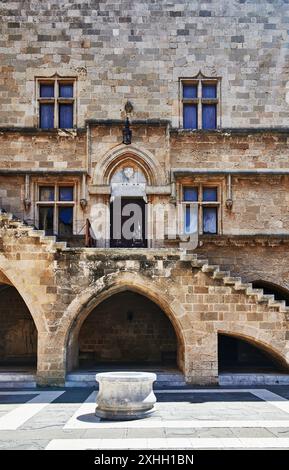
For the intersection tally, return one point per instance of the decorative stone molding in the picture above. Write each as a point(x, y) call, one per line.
point(108, 163)
point(83, 203)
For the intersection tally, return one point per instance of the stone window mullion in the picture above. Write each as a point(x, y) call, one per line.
point(56, 104)
point(200, 104)
point(200, 207)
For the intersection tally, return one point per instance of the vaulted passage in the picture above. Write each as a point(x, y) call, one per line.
point(18, 345)
point(238, 355)
point(127, 329)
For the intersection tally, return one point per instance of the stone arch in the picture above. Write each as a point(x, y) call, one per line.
point(261, 341)
point(14, 278)
point(114, 157)
point(105, 287)
point(19, 330)
point(4, 279)
point(127, 330)
point(131, 161)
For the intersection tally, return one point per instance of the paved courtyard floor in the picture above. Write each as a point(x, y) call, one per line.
point(203, 418)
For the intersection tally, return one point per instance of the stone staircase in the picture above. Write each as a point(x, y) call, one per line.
point(17, 379)
point(194, 261)
point(234, 282)
point(9, 222)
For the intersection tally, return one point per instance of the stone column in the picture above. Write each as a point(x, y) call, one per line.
point(51, 367)
point(201, 358)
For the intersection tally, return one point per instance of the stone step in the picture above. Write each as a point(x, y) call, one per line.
point(266, 298)
point(284, 307)
point(242, 286)
point(187, 257)
point(18, 385)
point(229, 280)
point(236, 282)
point(18, 225)
point(256, 292)
point(199, 263)
point(277, 303)
point(60, 245)
point(253, 291)
point(87, 379)
point(210, 268)
point(19, 228)
point(221, 274)
point(48, 238)
point(17, 380)
point(37, 233)
point(233, 379)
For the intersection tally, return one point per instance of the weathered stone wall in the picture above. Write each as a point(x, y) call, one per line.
point(260, 206)
point(18, 332)
point(198, 305)
point(260, 203)
point(12, 193)
point(127, 327)
point(138, 50)
point(252, 258)
point(152, 140)
point(51, 151)
point(229, 150)
point(61, 287)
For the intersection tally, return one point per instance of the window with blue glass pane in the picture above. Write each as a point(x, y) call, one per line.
point(65, 221)
point(191, 219)
point(210, 220)
point(190, 117)
point(190, 194)
point(66, 193)
point(210, 194)
point(46, 193)
point(46, 115)
point(46, 219)
point(65, 90)
point(209, 91)
point(46, 90)
point(65, 115)
point(190, 91)
point(209, 116)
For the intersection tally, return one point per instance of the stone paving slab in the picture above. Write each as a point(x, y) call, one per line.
point(211, 418)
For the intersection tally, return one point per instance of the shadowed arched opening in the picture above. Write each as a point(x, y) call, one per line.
point(127, 330)
point(18, 345)
point(270, 288)
point(237, 354)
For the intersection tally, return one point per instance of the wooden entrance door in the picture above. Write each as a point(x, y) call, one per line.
point(128, 223)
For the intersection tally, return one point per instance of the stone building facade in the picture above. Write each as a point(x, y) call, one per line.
point(181, 106)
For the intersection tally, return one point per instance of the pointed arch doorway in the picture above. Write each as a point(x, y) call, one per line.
point(128, 206)
point(126, 331)
point(18, 346)
point(128, 222)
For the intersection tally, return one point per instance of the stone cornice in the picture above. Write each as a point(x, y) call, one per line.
point(244, 240)
point(228, 131)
